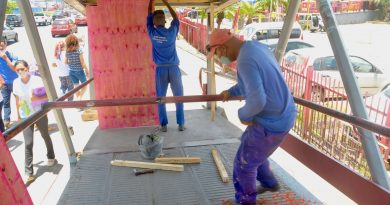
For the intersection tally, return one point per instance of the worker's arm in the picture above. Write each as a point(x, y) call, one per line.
point(4, 56)
point(173, 13)
point(255, 97)
point(151, 7)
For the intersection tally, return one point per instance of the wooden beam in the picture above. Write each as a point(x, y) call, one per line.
point(224, 5)
point(221, 169)
point(148, 165)
point(178, 160)
point(76, 5)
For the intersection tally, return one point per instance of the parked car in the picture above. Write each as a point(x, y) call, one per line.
point(292, 44)
point(311, 21)
point(370, 78)
point(13, 20)
point(42, 19)
point(10, 34)
point(63, 27)
point(81, 20)
point(268, 30)
point(60, 14)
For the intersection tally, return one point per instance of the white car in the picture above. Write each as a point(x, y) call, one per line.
point(268, 30)
point(42, 19)
point(9, 34)
point(326, 74)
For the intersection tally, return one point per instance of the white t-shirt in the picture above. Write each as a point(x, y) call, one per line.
point(24, 92)
point(62, 69)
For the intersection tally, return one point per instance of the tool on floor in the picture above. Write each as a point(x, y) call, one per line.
point(138, 172)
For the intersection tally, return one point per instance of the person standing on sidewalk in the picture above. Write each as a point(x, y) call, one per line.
point(269, 111)
point(78, 70)
point(25, 89)
point(62, 69)
point(9, 75)
point(166, 60)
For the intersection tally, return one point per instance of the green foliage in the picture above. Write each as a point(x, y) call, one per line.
point(10, 6)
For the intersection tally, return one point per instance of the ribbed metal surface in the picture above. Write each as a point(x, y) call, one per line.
point(95, 181)
point(87, 184)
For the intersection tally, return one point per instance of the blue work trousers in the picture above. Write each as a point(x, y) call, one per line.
point(164, 76)
point(251, 162)
point(6, 92)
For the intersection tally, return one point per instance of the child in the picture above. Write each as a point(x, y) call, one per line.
point(24, 88)
point(77, 67)
point(62, 68)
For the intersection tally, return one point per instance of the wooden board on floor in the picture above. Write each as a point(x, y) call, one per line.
point(178, 160)
point(148, 165)
point(221, 169)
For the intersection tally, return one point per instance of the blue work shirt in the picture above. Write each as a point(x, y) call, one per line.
point(6, 72)
point(268, 100)
point(164, 42)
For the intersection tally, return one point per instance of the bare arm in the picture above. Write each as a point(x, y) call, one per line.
point(84, 65)
point(4, 56)
point(151, 6)
point(17, 105)
point(173, 13)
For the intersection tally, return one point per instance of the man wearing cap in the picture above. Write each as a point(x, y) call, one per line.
point(269, 111)
point(166, 60)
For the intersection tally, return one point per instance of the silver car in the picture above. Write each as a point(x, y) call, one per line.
point(9, 34)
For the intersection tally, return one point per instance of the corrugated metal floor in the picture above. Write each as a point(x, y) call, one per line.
point(95, 181)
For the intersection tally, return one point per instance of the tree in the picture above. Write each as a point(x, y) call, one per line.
point(249, 10)
point(384, 8)
point(11, 5)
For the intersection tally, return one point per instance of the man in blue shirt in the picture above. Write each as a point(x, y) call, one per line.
point(269, 111)
point(9, 75)
point(166, 60)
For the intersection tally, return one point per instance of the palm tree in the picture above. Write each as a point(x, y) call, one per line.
point(271, 5)
point(249, 10)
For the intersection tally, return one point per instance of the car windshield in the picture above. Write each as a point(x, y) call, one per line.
point(387, 92)
point(11, 17)
point(36, 14)
point(60, 22)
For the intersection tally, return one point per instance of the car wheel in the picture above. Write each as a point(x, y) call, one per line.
point(317, 94)
point(45, 23)
point(53, 36)
point(16, 39)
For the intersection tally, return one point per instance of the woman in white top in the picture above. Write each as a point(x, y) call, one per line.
point(24, 89)
point(62, 68)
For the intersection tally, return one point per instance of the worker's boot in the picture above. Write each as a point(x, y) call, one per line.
point(261, 189)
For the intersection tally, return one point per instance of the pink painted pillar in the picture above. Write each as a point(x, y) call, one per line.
point(12, 188)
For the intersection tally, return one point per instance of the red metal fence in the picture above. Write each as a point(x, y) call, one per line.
point(334, 137)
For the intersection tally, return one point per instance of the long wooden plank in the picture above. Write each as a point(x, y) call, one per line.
point(148, 165)
point(178, 160)
point(221, 169)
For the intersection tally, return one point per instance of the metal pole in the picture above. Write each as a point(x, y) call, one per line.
point(369, 142)
point(210, 62)
point(286, 30)
point(3, 8)
point(39, 55)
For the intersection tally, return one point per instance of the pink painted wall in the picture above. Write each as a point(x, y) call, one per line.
point(12, 188)
point(122, 62)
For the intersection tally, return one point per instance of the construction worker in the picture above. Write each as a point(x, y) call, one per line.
point(166, 60)
point(269, 111)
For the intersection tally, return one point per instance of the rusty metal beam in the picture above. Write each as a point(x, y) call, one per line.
point(357, 188)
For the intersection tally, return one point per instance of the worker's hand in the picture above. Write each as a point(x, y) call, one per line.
point(225, 95)
point(247, 123)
